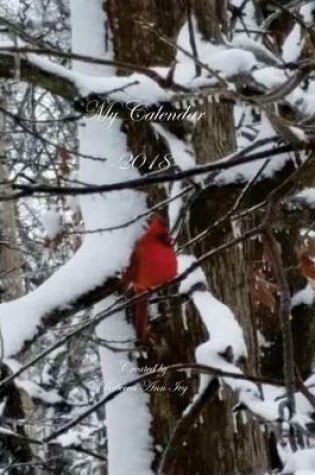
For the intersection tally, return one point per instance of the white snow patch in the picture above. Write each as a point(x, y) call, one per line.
point(127, 416)
point(224, 330)
point(52, 221)
point(270, 77)
point(301, 460)
point(307, 195)
point(293, 45)
point(305, 296)
point(36, 392)
point(182, 153)
point(246, 172)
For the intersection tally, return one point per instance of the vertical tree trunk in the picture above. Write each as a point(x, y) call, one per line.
point(18, 405)
point(239, 450)
point(212, 447)
point(10, 255)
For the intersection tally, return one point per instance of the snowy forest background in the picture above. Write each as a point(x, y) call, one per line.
point(224, 385)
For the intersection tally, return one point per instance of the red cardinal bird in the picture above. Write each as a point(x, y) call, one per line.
point(153, 262)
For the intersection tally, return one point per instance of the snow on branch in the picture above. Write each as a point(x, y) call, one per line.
point(62, 294)
point(220, 66)
point(239, 158)
point(226, 348)
point(226, 344)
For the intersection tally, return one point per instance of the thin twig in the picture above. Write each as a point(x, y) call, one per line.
point(284, 315)
point(284, 312)
point(192, 38)
point(193, 367)
point(229, 213)
point(29, 190)
point(118, 306)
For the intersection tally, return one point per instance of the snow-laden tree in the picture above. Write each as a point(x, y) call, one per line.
point(201, 110)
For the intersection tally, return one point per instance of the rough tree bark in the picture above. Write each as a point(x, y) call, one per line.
point(212, 446)
point(229, 279)
point(18, 404)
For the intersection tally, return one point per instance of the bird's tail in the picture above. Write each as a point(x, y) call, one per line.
point(141, 318)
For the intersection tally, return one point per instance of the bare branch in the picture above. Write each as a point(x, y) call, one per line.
point(193, 367)
point(154, 178)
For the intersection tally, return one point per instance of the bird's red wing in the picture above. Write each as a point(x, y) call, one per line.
point(140, 307)
point(129, 275)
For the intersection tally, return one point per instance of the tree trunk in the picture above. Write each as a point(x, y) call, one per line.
point(229, 279)
point(18, 405)
point(212, 447)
